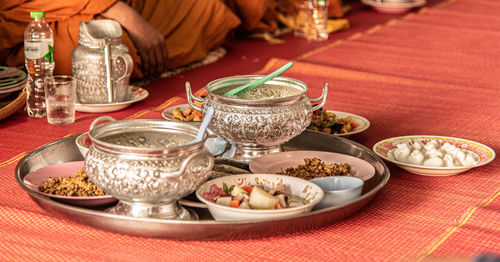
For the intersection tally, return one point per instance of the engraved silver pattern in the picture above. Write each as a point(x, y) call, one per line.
point(146, 181)
point(267, 126)
point(146, 169)
point(89, 63)
point(258, 126)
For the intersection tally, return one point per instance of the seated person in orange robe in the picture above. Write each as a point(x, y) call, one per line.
point(160, 34)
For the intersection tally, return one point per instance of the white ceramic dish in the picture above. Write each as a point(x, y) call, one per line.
point(339, 190)
point(136, 94)
point(272, 163)
point(393, 7)
point(34, 179)
point(485, 153)
point(167, 113)
point(361, 121)
point(311, 192)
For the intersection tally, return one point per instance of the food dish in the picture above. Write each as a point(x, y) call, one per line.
point(34, 179)
point(311, 192)
point(167, 113)
point(393, 7)
point(272, 163)
point(136, 94)
point(363, 123)
point(485, 154)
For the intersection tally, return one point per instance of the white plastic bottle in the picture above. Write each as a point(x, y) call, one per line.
point(39, 61)
point(317, 22)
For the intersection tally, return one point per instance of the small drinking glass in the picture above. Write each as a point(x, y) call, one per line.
point(301, 11)
point(60, 94)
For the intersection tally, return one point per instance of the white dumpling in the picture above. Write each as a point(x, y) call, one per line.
point(434, 161)
point(416, 157)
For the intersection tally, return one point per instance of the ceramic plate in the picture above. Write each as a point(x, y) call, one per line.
point(167, 113)
point(272, 163)
point(12, 81)
point(361, 121)
point(34, 179)
point(13, 88)
point(393, 7)
point(485, 154)
point(136, 94)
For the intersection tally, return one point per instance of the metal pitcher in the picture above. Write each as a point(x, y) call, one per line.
point(101, 63)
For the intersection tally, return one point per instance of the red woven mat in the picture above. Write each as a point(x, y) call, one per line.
point(432, 73)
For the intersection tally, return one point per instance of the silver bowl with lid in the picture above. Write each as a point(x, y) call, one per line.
point(147, 164)
point(262, 119)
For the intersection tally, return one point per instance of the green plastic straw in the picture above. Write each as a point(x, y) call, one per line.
point(247, 87)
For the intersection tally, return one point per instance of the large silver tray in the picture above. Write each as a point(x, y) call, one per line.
point(65, 150)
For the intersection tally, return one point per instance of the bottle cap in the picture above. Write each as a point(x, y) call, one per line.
point(37, 14)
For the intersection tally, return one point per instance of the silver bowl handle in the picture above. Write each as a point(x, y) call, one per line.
point(191, 97)
point(110, 86)
point(100, 119)
point(324, 95)
point(189, 159)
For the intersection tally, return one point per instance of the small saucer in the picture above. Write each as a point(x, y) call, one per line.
point(136, 94)
point(363, 123)
point(167, 113)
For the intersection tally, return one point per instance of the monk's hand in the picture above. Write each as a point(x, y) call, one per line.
point(149, 42)
point(151, 46)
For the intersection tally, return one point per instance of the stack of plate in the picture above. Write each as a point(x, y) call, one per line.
point(12, 97)
point(394, 6)
point(11, 80)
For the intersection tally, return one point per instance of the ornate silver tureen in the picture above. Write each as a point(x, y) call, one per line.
point(147, 164)
point(258, 123)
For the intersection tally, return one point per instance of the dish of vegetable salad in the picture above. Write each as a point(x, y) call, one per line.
point(252, 197)
point(337, 123)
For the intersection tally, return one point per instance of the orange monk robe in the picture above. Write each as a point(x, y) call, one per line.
point(256, 15)
point(190, 27)
point(262, 15)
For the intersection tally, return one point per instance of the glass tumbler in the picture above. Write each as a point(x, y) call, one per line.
point(60, 94)
point(301, 11)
